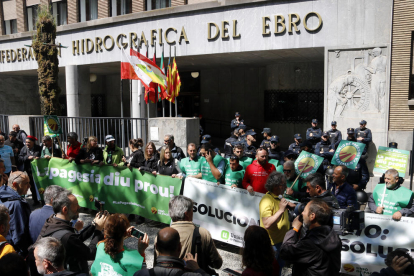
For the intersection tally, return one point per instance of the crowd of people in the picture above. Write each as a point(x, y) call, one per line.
point(295, 213)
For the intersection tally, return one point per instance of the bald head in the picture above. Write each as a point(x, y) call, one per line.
point(168, 242)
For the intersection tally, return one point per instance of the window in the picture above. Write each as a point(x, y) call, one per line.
point(157, 4)
point(60, 12)
point(31, 18)
point(293, 106)
point(88, 10)
point(10, 26)
point(120, 7)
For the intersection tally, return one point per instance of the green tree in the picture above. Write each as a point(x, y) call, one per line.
point(46, 54)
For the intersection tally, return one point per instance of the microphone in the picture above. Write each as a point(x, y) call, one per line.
point(280, 196)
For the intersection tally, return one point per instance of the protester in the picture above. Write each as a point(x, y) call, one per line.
point(136, 159)
point(5, 247)
point(28, 153)
point(50, 256)
point(168, 165)
point(13, 265)
point(213, 165)
point(181, 213)
point(238, 151)
point(343, 192)
point(3, 177)
point(19, 210)
point(234, 173)
point(191, 166)
point(397, 262)
point(7, 154)
point(21, 134)
point(400, 197)
point(274, 215)
point(258, 255)
point(176, 152)
point(39, 216)
point(112, 255)
point(15, 144)
point(169, 262)
point(319, 251)
point(257, 173)
point(49, 149)
point(66, 208)
point(73, 147)
point(296, 188)
point(151, 159)
point(112, 154)
point(316, 188)
point(92, 153)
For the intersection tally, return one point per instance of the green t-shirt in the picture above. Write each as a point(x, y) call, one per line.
point(244, 161)
point(231, 177)
point(274, 162)
point(296, 188)
point(394, 200)
point(129, 262)
point(206, 171)
point(191, 167)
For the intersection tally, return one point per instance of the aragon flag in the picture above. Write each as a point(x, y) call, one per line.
point(348, 154)
point(151, 92)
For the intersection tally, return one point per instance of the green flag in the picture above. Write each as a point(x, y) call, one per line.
point(391, 158)
point(123, 190)
point(348, 154)
point(52, 125)
point(307, 163)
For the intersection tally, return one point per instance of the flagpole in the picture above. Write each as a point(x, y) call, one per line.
point(169, 60)
point(162, 100)
point(156, 92)
point(148, 112)
point(122, 104)
point(175, 98)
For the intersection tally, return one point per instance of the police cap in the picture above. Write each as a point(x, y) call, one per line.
point(274, 138)
point(267, 130)
point(393, 145)
point(297, 136)
point(325, 133)
point(289, 153)
point(242, 127)
point(250, 132)
point(305, 143)
point(205, 139)
point(363, 122)
point(350, 130)
point(315, 121)
point(237, 114)
point(333, 123)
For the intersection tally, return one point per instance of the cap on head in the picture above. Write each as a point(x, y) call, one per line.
point(305, 143)
point(205, 139)
point(73, 135)
point(350, 130)
point(325, 134)
point(109, 138)
point(32, 138)
point(393, 145)
point(250, 132)
point(289, 153)
point(363, 122)
point(297, 136)
point(13, 133)
point(237, 114)
point(242, 127)
point(315, 121)
point(333, 123)
point(267, 130)
point(274, 138)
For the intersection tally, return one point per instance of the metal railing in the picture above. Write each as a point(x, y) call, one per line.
point(4, 123)
point(123, 129)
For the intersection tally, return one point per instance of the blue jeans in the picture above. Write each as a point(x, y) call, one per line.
point(281, 262)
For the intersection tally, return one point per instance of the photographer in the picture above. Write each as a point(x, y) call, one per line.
point(399, 262)
point(319, 251)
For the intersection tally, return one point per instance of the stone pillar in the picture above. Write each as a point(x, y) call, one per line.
point(78, 91)
point(138, 6)
point(103, 8)
point(21, 16)
point(136, 109)
point(73, 11)
point(175, 3)
point(2, 29)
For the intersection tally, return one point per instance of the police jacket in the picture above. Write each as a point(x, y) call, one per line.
point(36, 151)
point(355, 140)
point(316, 134)
point(295, 148)
point(228, 148)
point(346, 195)
point(335, 136)
point(234, 124)
point(323, 149)
point(364, 133)
point(276, 154)
point(265, 143)
point(317, 253)
point(249, 151)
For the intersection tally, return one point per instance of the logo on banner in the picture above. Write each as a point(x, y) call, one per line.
point(348, 154)
point(225, 235)
point(307, 163)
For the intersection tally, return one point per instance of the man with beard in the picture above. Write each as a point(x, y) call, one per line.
point(397, 201)
point(257, 173)
point(297, 191)
point(319, 251)
point(343, 191)
point(238, 150)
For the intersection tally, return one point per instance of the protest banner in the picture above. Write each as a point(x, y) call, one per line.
point(307, 162)
point(52, 126)
point(391, 158)
point(224, 211)
point(123, 190)
point(364, 251)
point(348, 154)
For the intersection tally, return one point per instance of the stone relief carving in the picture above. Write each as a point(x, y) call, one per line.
point(362, 88)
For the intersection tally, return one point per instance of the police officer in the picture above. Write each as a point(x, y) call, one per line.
point(242, 133)
point(267, 133)
point(363, 134)
point(249, 148)
point(335, 136)
point(358, 177)
point(325, 148)
point(314, 133)
point(306, 146)
point(228, 148)
point(295, 146)
point(207, 139)
point(290, 155)
point(235, 123)
point(275, 152)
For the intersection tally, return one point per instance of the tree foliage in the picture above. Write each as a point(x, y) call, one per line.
point(47, 60)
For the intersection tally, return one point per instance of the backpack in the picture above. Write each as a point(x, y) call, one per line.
point(197, 248)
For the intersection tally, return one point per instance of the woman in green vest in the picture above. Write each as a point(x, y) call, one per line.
point(111, 254)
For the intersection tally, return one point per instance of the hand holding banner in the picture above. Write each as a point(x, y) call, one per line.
point(307, 163)
point(391, 158)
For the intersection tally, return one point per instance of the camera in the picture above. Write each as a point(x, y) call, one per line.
point(347, 220)
point(85, 141)
point(99, 205)
point(136, 233)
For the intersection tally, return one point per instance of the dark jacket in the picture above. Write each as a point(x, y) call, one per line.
point(317, 253)
point(168, 169)
point(38, 219)
point(68, 273)
point(16, 144)
point(388, 271)
point(151, 164)
point(345, 196)
point(93, 154)
point(19, 209)
point(228, 147)
point(136, 159)
point(177, 268)
point(77, 253)
point(329, 198)
point(276, 154)
point(36, 151)
point(56, 151)
point(177, 153)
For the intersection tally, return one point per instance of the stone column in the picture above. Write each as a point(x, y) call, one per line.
point(103, 9)
point(78, 91)
point(136, 109)
point(2, 29)
point(73, 11)
point(138, 6)
point(21, 16)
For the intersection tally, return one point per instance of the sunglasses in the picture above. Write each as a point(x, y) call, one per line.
point(287, 170)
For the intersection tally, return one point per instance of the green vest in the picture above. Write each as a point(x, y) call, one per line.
point(274, 162)
point(394, 200)
point(206, 171)
point(128, 262)
point(279, 168)
point(244, 161)
point(231, 177)
point(191, 167)
point(295, 188)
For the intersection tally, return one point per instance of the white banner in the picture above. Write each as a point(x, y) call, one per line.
point(364, 252)
point(224, 211)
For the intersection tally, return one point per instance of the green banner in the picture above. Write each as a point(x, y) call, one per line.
point(307, 163)
point(52, 125)
point(123, 190)
point(391, 158)
point(348, 154)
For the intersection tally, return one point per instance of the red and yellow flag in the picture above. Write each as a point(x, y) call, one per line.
point(173, 82)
